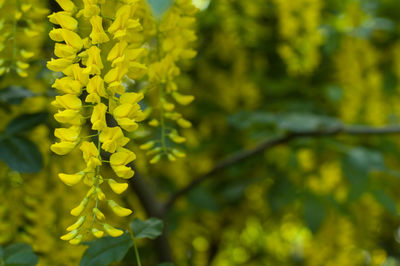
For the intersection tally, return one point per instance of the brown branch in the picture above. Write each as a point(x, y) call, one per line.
point(270, 143)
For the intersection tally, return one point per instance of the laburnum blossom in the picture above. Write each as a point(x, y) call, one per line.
point(92, 88)
point(174, 37)
point(20, 21)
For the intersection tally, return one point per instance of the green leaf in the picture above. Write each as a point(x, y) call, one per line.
point(19, 255)
point(296, 122)
point(106, 250)
point(314, 213)
point(20, 154)
point(244, 119)
point(386, 201)
point(15, 94)
point(150, 228)
point(159, 7)
point(357, 164)
point(25, 122)
point(365, 159)
point(1, 253)
point(165, 264)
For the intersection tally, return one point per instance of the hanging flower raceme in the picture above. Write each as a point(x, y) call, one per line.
point(174, 35)
point(301, 36)
point(91, 88)
point(19, 20)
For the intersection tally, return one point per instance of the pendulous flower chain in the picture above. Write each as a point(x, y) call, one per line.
point(101, 47)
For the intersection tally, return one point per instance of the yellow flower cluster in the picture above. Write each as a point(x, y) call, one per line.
point(361, 82)
point(92, 87)
point(174, 36)
point(19, 20)
point(301, 37)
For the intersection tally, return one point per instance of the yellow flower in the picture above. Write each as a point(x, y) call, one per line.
point(176, 138)
point(26, 54)
point(93, 62)
point(68, 85)
point(161, 72)
point(98, 118)
point(112, 231)
point(117, 187)
point(62, 148)
point(70, 134)
point(120, 24)
point(71, 38)
point(64, 50)
point(118, 210)
point(79, 209)
point(69, 116)
point(97, 233)
point(71, 180)
point(67, 101)
point(78, 73)
point(90, 154)
point(77, 224)
point(115, 75)
point(112, 138)
point(90, 8)
point(99, 214)
point(76, 240)
point(95, 89)
point(184, 123)
point(70, 235)
point(64, 19)
point(58, 65)
point(119, 160)
point(67, 5)
point(128, 112)
point(98, 35)
point(117, 51)
point(182, 99)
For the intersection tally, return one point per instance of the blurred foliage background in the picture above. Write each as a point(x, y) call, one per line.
point(264, 69)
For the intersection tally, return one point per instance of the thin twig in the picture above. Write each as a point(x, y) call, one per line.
point(270, 143)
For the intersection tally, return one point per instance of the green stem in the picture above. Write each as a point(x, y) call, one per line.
point(161, 97)
point(97, 178)
point(162, 121)
point(136, 252)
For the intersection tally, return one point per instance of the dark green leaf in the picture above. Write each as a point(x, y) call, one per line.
point(150, 228)
point(1, 253)
point(244, 120)
point(25, 122)
point(159, 7)
point(357, 164)
point(20, 154)
point(365, 159)
point(15, 94)
point(19, 255)
point(386, 201)
point(304, 122)
point(314, 213)
point(106, 250)
point(165, 264)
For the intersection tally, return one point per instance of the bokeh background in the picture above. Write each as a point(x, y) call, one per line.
point(264, 69)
